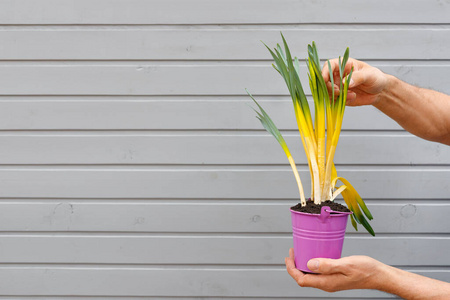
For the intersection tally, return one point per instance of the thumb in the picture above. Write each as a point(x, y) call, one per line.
point(358, 78)
point(324, 265)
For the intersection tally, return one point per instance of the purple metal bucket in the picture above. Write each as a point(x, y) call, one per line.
point(318, 235)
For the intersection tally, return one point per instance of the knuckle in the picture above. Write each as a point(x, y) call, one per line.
point(301, 282)
point(348, 268)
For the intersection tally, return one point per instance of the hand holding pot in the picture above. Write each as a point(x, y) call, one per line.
point(354, 272)
point(363, 272)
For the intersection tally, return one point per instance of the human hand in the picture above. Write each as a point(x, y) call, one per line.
point(366, 84)
point(353, 272)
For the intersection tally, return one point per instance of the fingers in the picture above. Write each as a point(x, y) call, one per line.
point(351, 99)
point(290, 267)
point(334, 63)
point(291, 253)
point(328, 283)
point(303, 280)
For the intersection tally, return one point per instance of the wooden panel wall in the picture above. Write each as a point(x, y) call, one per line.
point(131, 165)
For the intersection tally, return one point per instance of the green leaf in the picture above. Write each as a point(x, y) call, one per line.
point(349, 198)
point(280, 51)
point(269, 125)
point(331, 79)
point(352, 218)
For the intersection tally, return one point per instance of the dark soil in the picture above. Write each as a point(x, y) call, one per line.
point(312, 208)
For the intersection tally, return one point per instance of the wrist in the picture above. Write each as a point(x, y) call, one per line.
point(383, 276)
point(388, 91)
point(399, 282)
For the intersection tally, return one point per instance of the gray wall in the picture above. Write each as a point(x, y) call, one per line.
point(131, 165)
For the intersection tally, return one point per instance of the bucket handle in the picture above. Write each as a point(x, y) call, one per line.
point(326, 211)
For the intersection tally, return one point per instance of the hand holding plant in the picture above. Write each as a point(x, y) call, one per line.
point(366, 85)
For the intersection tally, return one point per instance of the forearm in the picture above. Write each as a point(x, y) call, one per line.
point(422, 112)
point(411, 286)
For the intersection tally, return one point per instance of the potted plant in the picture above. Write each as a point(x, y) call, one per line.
point(318, 223)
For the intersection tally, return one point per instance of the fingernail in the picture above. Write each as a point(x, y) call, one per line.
point(351, 82)
point(313, 264)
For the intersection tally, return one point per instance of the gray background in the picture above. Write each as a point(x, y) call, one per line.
point(132, 166)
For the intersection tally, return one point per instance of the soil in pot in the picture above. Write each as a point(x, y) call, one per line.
point(312, 208)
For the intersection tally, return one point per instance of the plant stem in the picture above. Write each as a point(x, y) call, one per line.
point(297, 178)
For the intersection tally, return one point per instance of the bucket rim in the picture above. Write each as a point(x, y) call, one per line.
point(335, 213)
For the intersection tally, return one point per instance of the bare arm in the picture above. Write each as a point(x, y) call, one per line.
point(422, 112)
point(425, 113)
point(363, 272)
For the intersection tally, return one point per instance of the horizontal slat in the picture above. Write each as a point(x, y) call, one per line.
point(105, 112)
point(169, 216)
point(262, 183)
point(92, 281)
point(214, 79)
point(222, 43)
point(208, 250)
point(178, 298)
point(220, 12)
point(211, 148)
